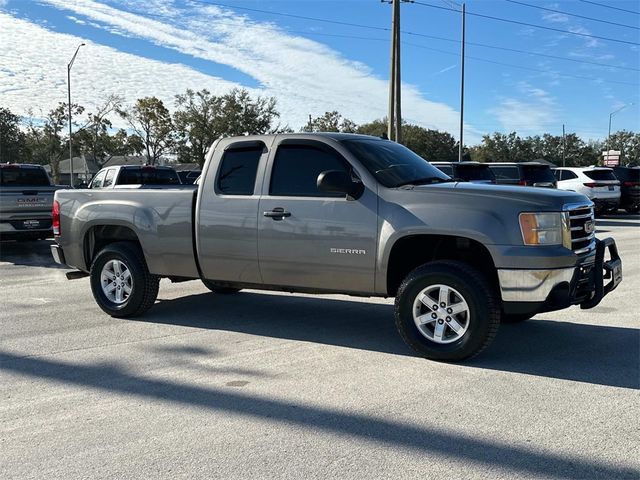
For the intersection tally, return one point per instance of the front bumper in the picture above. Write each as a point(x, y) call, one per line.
point(536, 291)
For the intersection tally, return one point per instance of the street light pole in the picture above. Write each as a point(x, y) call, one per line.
point(610, 117)
point(69, 105)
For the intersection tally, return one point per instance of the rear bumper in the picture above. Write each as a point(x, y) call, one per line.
point(606, 203)
point(536, 291)
point(58, 254)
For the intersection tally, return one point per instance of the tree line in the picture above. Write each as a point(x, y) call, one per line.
point(199, 118)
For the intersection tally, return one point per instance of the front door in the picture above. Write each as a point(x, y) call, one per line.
point(313, 239)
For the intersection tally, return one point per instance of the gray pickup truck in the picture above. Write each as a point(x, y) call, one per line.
point(26, 198)
point(351, 214)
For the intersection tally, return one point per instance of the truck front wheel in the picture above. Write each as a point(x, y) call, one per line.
point(447, 311)
point(120, 281)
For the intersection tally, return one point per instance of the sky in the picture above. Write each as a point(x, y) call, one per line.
point(322, 55)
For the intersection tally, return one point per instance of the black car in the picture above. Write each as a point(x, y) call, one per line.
point(629, 188)
point(474, 172)
point(531, 174)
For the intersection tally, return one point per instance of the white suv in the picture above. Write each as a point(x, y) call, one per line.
point(598, 183)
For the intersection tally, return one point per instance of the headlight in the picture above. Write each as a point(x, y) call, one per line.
point(549, 228)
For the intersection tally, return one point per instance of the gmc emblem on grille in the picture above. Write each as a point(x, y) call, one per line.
point(589, 227)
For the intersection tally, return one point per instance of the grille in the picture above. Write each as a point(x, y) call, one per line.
point(582, 236)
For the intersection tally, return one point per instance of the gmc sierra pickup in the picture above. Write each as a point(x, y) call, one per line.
point(342, 213)
point(26, 197)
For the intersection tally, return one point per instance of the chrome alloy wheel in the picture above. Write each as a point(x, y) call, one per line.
point(116, 281)
point(441, 313)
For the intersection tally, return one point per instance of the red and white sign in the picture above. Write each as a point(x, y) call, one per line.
point(611, 158)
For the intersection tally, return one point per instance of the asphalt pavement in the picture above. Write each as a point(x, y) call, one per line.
point(270, 385)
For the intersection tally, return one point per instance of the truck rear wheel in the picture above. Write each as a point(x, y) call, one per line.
point(446, 310)
point(220, 290)
point(120, 281)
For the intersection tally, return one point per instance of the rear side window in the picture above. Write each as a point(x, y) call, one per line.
point(296, 169)
point(238, 170)
point(506, 173)
point(600, 174)
point(15, 176)
point(474, 172)
point(147, 176)
point(538, 174)
point(108, 180)
point(567, 175)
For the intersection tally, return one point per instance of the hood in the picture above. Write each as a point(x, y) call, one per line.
point(525, 198)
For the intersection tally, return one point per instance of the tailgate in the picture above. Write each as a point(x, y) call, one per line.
point(26, 202)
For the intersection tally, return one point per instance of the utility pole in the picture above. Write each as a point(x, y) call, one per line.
point(392, 75)
point(69, 90)
point(398, 93)
point(564, 145)
point(461, 144)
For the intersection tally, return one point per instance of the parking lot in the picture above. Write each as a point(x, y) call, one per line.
point(271, 385)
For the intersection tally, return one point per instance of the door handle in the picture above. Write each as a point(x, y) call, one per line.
point(277, 213)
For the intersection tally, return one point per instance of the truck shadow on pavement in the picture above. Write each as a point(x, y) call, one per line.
point(595, 354)
point(426, 440)
point(28, 253)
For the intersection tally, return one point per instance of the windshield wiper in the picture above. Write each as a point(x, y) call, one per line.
point(423, 181)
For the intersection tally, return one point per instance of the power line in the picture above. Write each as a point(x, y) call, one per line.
point(406, 32)
point(581, 77)
point(573, 14)
point(429, 48)
point(609, 6)
point(517, 22)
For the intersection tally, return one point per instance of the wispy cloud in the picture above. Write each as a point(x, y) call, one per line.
point(532, 112)
point(305, 76)
point(555, 17)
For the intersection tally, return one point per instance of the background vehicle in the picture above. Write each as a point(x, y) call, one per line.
point(188, 177)
point(344, 213)
point(530, 174)
point(112, 177)
point(26, 199)
point(629, 178)
point(597, 183)
point(474, 172)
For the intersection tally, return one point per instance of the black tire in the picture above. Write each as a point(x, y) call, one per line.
point(481, 298)
point(634, 209)
point(144, 290)
point(514, 317)
point(220, 290)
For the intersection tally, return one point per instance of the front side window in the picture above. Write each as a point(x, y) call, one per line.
point(98, 180)
point(238, 170)
point(296, 169)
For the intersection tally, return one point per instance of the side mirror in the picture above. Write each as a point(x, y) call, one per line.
point(340, 182)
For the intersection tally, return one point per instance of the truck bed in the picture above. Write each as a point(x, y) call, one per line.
point(161, 219)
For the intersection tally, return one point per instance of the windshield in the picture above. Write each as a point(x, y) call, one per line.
point(600, 174)
point(148, 176)
point(474, 172)
point(18, 176)
point(393, 164)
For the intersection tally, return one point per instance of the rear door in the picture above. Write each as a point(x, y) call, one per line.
point(321, 241)
point(227, 209)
